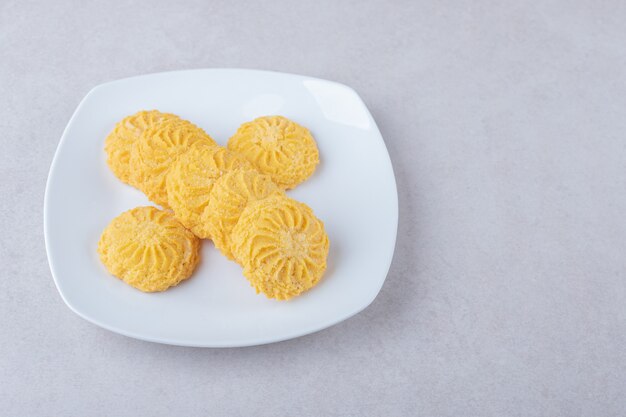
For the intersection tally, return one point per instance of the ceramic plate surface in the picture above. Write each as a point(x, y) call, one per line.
point(353, 191)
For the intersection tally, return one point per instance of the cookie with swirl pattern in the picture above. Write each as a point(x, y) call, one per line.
point(148, 249)
point(278, 147)
point(157, 150)
point(191, 179)
point(228, 198)
point(281, 245)
point(126, 132)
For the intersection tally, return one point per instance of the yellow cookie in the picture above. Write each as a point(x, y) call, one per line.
point(156, 150)
point(118, 144)
point(281, 245)
point(278, 147)
point(191, 178)
point(148, 249)
point(229, 196)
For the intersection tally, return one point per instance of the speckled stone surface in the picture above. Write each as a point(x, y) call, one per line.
point(506, 127)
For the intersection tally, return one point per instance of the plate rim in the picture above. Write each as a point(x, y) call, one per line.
point(226, 343)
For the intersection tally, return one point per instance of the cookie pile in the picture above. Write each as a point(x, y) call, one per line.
point(234, 195)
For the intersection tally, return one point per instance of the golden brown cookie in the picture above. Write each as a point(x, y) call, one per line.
point(118, 144)
point(278, 147)
point(156, 150)
point(281, 245)
point(229, 196)
point(148, 249)
point(191, 178)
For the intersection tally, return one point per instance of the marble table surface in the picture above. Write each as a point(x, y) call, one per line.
point(505, 124)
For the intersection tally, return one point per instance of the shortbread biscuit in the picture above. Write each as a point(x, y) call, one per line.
point(156, 150)
point(281, 245)
point(191, 178)
point(148, 249)
point(229, 196)
point(119, 142)
point(278, 147)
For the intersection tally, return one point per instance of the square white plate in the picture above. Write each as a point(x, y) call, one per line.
point(353, 191)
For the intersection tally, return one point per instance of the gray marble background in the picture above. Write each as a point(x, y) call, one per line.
point(506, 125)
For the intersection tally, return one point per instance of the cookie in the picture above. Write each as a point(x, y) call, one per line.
point(191, 178)
point(229, 196)
point(119, 142)
point(281, 245)
point(148, 249)
point(278, 147)
point(156, 150)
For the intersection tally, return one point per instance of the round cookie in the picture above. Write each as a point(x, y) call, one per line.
point(278, 147)
point(191, 178)
point(156, 150)
point(148, 249)
point(229, 196)
point(119, 142)
point(281, 245)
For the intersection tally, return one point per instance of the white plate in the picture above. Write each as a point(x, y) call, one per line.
point(353, 191)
